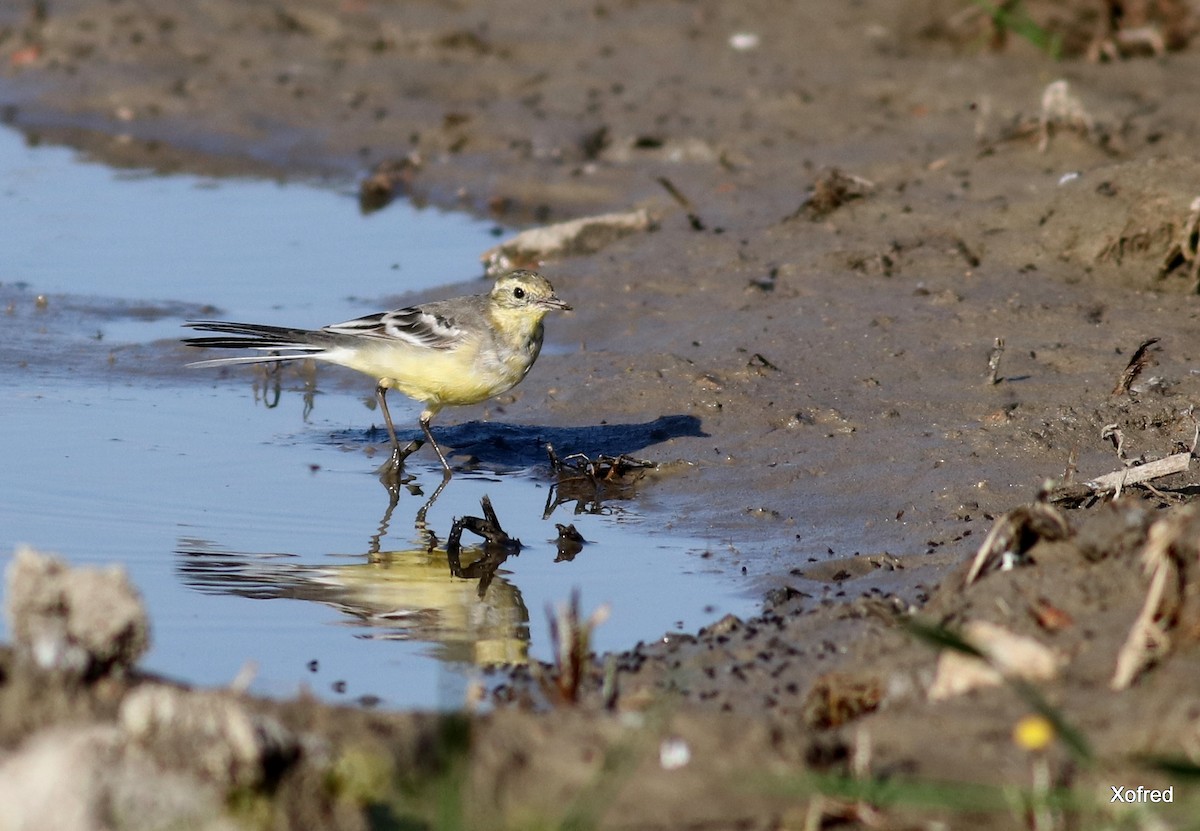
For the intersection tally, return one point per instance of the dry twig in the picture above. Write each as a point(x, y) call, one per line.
point(1143, 357)
point(1185, 250)
point(994, 361)
point(1062, 108)
point(1169, 554)
point(571, 636)
point(1140, 474)
point(1015, 533)
point(830, 191)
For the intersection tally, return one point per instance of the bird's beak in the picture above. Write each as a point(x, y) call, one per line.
point(552, 302)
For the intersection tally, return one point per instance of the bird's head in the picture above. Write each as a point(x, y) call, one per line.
point(526, 291)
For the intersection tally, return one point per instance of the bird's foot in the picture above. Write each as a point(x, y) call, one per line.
point(391, 472)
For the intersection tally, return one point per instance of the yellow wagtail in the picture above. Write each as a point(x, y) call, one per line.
point(446, 353)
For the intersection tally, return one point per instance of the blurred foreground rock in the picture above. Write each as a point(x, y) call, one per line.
point(222, 740)
point(99, 747)
point(83, 622)
point(84, 778)
point(88, 742)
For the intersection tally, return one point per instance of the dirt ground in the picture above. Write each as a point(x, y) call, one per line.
point(903, 259)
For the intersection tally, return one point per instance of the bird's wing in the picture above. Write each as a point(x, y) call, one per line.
point(415, 325)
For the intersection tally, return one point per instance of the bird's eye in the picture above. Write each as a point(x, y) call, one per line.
point(519, 293)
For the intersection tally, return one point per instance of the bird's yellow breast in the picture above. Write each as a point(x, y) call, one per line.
point(485, 364)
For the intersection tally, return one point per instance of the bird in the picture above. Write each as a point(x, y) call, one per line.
point(453, 352)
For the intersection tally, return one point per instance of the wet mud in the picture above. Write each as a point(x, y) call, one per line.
point(901, 261)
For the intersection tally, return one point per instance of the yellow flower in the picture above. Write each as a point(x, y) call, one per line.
point(1033, 733)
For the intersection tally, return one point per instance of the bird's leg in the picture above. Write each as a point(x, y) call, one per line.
point(426, 417)
point(398, 455)
point(420, 523)
point(393, 489)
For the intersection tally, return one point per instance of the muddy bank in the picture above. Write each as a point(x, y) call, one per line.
point(837, 361)
point(882, 362)
point(840, 709)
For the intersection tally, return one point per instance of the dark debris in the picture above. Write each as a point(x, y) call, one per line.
point(590, 482)
point(498, 546)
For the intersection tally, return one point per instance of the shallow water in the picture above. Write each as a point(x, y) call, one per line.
point(220, 491)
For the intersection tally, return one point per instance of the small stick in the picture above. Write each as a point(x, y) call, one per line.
point(1072, 466)
point(1115, 481)
point(685, 203)
point(994, 361)
point(1149, 638)
point(1016, 531)
point(1116, 435)
point(1142, 357)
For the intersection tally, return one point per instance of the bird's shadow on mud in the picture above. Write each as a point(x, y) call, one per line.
point(497, 444)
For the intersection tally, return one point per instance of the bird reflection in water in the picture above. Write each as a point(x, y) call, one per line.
point(453, 597)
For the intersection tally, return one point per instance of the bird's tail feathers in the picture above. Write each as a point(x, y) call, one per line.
point(294, 343)
point(250, 359)
point(252, 334)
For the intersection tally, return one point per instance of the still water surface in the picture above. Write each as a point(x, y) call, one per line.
point(249, 516)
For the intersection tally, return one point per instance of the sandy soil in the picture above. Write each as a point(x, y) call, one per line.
point(854, 202)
